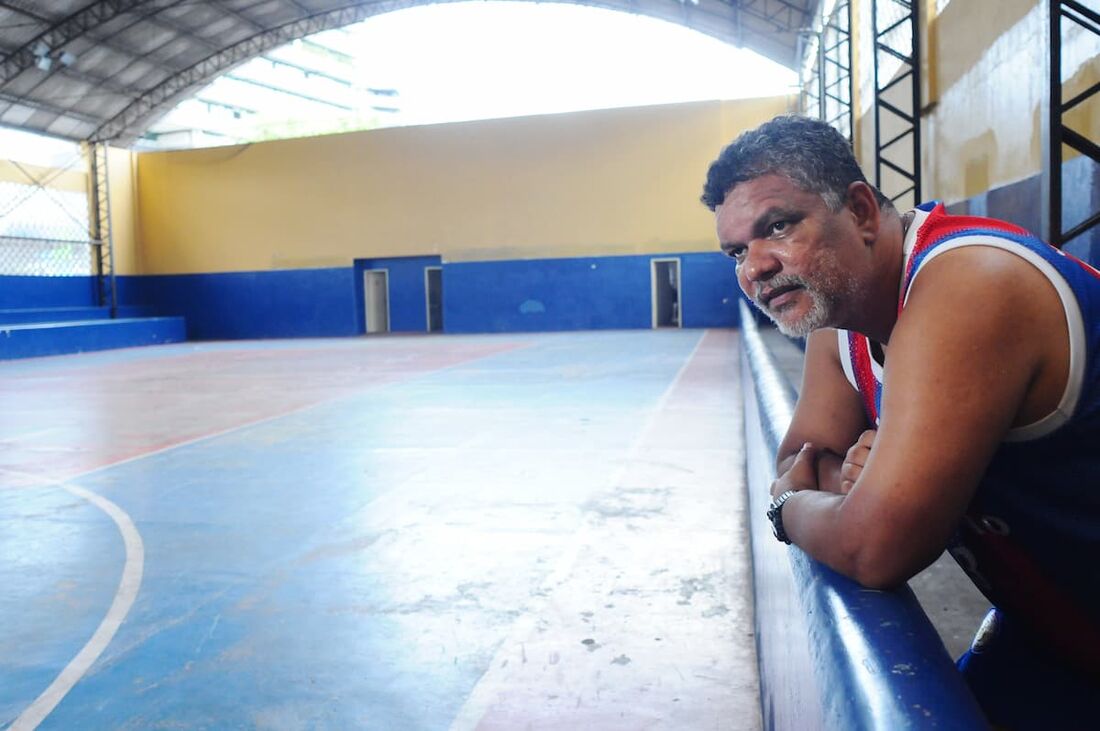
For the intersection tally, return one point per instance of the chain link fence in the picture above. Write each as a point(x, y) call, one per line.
point(44, 258)
point(44, 218)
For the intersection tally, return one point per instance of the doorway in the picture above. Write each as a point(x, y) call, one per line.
point(376, 300)
point(433, 296)
point(665, 280)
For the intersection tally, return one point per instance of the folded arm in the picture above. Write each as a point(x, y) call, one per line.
point(953, 388)
point(829, 415)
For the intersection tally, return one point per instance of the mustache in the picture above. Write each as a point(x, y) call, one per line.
point(763, 289)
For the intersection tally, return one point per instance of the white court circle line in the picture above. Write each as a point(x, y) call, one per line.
point(128, 587)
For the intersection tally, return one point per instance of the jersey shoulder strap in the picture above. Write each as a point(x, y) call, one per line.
point(860, 370)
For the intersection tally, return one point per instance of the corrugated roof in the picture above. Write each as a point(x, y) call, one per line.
point(107, 70)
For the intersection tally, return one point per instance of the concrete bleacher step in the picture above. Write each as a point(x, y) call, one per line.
point(29, 340)
point(28, 315)
point(53, 314)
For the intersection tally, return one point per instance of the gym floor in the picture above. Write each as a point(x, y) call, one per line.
point(522, 531)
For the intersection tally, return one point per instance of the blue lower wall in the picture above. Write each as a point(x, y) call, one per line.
point(546, 294)
point(225, 306)
point(34, 292)
point(593, 293)
point(710, 291)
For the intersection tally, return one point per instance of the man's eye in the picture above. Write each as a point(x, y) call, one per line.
point(737, 253)
point(778, 227)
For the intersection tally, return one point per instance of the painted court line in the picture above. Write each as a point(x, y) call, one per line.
point(128, 587)
point(485, 691)
point(134, 566)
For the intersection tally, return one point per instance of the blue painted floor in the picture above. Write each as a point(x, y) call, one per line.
point(539, 531)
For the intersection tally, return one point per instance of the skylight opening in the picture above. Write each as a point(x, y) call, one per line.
point(464, 61)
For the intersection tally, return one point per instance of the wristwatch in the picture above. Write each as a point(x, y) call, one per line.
point(775, 515)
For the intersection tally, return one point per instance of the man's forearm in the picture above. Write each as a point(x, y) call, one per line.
point(812, 521)
point(816, 522)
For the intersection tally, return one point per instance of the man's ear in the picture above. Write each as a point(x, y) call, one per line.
point(863, 205)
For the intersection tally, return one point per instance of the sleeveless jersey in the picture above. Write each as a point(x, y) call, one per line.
point(1030, 539)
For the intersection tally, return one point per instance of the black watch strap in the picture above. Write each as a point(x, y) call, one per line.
point(775, 515)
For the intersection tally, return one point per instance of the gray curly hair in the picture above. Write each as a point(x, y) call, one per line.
point(808, 152)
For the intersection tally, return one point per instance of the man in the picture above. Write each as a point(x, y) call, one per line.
point(956, 409)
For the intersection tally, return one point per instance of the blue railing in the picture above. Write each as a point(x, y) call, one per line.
point(832, 654)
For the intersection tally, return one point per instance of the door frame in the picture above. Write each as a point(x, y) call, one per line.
point(366, 300)
point(653, 289)
point(428, 299)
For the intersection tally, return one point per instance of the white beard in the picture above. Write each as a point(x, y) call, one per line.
point(825, 296)
point(817, 317)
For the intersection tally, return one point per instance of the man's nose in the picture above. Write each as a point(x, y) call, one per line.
point(760, 262)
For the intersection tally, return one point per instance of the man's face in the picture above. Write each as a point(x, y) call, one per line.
point(794, 256)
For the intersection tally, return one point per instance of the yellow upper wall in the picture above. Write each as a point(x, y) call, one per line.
point(984, 132)
point(121, 166)
point(607, 182)
point(985, 82)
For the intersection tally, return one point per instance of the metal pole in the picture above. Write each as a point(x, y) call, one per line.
point(91, 150)
point(821, 103)
point(106, 193)
point(1051, 128)
point(874, 65)
point(916, 81)
point(851, 80)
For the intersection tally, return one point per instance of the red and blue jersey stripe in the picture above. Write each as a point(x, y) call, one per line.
point(1031, 537)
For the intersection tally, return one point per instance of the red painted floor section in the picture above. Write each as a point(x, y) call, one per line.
point(61, 423)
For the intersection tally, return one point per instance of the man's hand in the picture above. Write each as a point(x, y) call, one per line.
point(829, 413)
point(855, 460)
point(801, 475)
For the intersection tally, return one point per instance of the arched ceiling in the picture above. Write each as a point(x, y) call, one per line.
point(105, 70)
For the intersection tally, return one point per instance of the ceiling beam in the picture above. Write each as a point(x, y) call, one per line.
point(105, 42)
point(128, 124)
point(46, 107)
point(62, 32)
